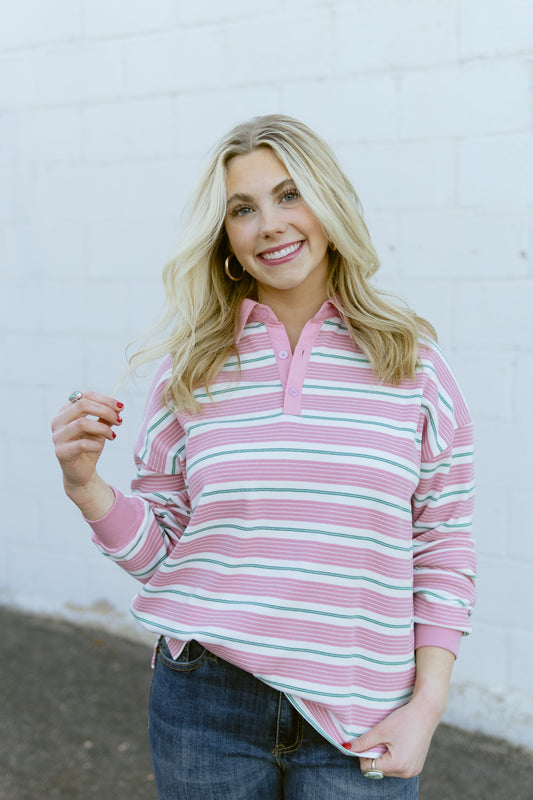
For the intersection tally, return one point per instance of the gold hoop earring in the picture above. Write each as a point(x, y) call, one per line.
point(228, 273)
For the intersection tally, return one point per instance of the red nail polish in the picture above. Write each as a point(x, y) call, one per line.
point(120, 406)
point(114, 434)
point(347, 745)
point(119, 419)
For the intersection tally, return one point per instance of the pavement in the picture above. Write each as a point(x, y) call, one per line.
point(73, 724)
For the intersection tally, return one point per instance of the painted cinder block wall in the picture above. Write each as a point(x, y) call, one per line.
point(107, 110)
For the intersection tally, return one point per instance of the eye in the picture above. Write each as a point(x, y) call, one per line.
point(240, 211)
point(290, 195)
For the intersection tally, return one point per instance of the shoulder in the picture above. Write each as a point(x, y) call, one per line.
point(160, 433)
point(160, 380)
point(443, 402)
point(156, 406)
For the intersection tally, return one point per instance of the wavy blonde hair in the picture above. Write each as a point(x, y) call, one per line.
point(198, 327)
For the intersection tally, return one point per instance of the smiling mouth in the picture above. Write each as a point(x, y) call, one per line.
point(283, 252)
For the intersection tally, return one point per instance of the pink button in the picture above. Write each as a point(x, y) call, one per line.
point(283, 354)
point(263, 313)
point(293, 391)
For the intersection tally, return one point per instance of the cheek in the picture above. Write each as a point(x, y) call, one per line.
point(227, 228)
point(238, 237)
point(315, 228)
point(230, 227)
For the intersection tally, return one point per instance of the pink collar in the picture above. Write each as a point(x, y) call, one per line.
point(252, 311)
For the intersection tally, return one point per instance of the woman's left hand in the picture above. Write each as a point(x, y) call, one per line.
point(405, 734)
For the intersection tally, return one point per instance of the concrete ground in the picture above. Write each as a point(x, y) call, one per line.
point(73, 724)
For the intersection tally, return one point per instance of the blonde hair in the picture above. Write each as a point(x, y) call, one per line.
point(202, 302)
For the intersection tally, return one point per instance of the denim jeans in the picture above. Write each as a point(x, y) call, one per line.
point(219, 733)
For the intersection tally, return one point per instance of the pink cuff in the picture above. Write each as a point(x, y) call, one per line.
point(434, 636)
point(116, 529)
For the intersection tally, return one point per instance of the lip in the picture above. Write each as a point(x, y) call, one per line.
point(288, 257)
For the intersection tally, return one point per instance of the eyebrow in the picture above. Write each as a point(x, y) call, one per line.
point(246, 198)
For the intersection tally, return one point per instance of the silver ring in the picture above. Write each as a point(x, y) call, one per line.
point(75, 396)
point(373, 773)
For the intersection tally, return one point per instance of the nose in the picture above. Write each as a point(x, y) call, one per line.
point(272, 221)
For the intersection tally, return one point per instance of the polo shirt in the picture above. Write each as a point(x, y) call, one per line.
point(311, 525)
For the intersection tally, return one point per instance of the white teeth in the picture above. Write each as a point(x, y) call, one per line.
point(281, 253)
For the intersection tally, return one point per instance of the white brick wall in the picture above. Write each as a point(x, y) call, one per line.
point(107, 109)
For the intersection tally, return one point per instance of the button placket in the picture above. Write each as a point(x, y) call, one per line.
point(292, 367)
point(298, 369)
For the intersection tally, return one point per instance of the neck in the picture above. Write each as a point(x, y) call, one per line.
point(292, 311)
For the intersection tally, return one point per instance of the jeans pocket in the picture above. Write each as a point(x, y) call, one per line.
point(191, 657)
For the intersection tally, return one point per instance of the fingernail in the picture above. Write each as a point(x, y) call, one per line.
point(119, 419)
point(120, 406)
point(114, 434)
point(347, 745)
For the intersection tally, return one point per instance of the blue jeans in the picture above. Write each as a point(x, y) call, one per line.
point(219, 733)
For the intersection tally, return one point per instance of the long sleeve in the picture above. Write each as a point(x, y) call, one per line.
point(442, 505)
point(142, 529)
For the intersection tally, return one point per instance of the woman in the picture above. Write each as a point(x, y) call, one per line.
point(300, 514)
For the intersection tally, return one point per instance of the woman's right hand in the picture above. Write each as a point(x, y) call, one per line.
point(80, 431)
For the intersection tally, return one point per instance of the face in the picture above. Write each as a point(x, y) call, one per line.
point(272, 232)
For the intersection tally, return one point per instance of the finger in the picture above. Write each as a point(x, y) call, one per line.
point(372, 763)
point(370, 744)
point(90, 428)
point(393, 766)
point(70, 451)
point(384, 765)
point(112, 402)
point(96, 404)
point(83, 428)
point(96, 397)
point(88, 406)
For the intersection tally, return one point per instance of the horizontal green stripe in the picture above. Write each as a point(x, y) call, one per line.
point(358, 695)
point(310, 531)
point(235, 420)
point(442, 597)
point(440, 465)
point(252, 449)
point(332, 324)
point(234, 363)
point(455, 493)
point(341, 357)
point(463, 454)
point(450, 525)
point(371, 423)
point(177, 632)
point(296, 490)
point(291, 569)
point(238, 387)
point(247, 603)
point(358, 390)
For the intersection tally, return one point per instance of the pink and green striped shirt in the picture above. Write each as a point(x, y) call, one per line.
point(311, 525)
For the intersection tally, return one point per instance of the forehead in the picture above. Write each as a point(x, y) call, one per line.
point(259, 170)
